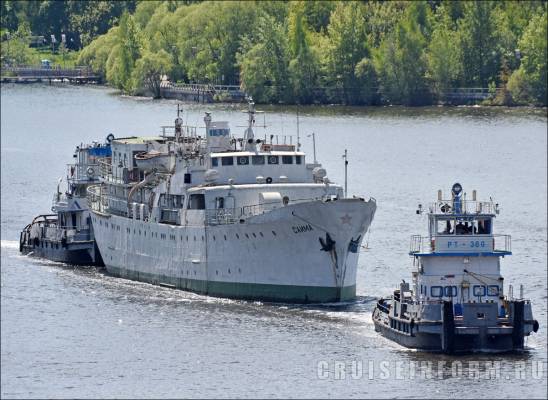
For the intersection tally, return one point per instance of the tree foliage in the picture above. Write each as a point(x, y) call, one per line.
point(353, 52)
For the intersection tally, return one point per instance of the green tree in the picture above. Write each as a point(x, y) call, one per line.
point(400, 61)
point(478, 44)
point(15, 46)
point(149, 70)
point(347, 46)
point(303, 64)
point(263, 63)
point(443, 53)
point(98, 51)
point(122, 58)
point(529, 82)
point(210, 36)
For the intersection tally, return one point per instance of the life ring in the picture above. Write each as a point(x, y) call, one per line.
point(273, 160)
point(90, 171)
point(269, 180)
point(110, 138)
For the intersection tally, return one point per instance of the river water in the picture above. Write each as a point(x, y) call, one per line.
point(76, 332)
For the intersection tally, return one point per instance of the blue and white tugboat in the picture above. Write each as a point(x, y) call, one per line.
point(66, 235)
point(457, 302)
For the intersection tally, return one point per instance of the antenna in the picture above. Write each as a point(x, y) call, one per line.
point(345, 156)
point(298, 133)
point(313, 145)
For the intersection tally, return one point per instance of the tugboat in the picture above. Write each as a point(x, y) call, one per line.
point(457, 302)
point(66, 235)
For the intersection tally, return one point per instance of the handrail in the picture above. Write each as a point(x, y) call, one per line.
point(451, 207)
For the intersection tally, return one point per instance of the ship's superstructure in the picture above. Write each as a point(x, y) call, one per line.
point(456, 301)
point(226, 216)
point(66, 235)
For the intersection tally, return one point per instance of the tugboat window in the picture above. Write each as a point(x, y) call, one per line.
point(227, 160)
point(214, 162)
point(257, 160)
point(298, 159)
point(446, 227)
point(479, 290)
point(484, 226)
point(243, 160)
point(492, 290)
point(436, 291)
point(450, 291)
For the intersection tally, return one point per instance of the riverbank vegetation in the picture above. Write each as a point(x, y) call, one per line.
point(351, 52)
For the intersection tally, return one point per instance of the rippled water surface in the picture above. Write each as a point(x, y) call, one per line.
point(76, 332)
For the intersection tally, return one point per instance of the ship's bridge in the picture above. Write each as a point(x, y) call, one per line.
point(458, 227)
point(262, 167)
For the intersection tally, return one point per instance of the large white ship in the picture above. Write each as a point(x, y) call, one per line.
point(225, 216)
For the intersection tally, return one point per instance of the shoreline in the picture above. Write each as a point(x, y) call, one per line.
point(117, 92)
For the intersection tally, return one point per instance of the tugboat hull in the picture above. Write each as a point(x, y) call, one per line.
point(461, 335)
point(89, 255)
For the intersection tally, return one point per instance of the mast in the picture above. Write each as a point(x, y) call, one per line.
point(249, 135)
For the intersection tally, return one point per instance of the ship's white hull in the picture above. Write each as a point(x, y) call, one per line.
point(276, 256)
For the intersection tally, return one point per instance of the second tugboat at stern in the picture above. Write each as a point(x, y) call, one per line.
point(457, 303)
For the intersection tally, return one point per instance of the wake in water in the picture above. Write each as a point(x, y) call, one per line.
point(10, 244)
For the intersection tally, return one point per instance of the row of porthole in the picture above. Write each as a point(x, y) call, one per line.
point(229, 271)
point(173, 237)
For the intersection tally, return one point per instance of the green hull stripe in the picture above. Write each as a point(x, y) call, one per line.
point(248, 291)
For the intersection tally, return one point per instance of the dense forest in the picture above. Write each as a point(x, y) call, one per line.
point(351, 52)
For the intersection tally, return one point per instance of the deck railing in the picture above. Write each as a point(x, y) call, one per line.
point(463, 207)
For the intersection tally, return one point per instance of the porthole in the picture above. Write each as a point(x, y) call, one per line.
point(216, 272)
point(229, 270)
point(213, 237)
point(237, 236)
point(260, 233)
point(247, 236)
point(194, 238)
point(274, 233)
point(225, 237)
point(254, 235)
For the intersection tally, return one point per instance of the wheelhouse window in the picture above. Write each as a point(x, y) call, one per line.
point(287, 159)
point(446, 227)
point(298, 159)
point(227, 160)
point(243, 160)
point(273, 160)
point(479, 290)
point(214, 162)
point(492, 290)
point(436, 291)
point(484, 226)
point(450, 291)
point(257, 160)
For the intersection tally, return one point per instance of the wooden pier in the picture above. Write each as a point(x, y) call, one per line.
point(77, 75)
point(202, 93)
